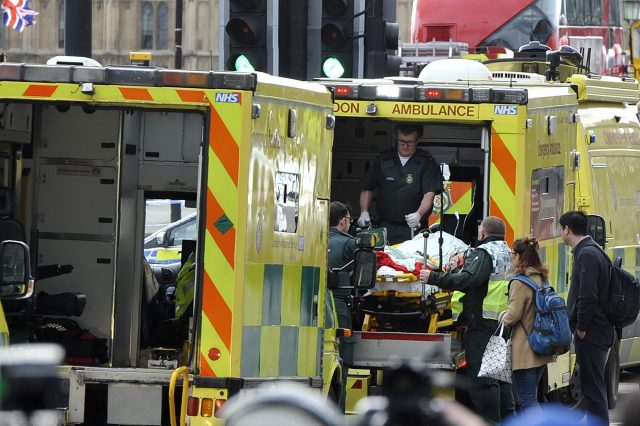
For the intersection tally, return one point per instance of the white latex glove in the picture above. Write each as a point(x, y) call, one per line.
point(413, 220)
point(364, 220)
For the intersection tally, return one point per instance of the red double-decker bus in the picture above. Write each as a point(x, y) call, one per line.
point(592, 24)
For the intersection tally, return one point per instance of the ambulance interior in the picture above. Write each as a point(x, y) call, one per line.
point(77, 180)
point(357, 143)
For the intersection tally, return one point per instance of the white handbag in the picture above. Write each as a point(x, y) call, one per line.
point(496, 360)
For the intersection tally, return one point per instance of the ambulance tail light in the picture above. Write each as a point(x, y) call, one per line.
point(444, 94)
point(206, 408)
point(11, 71)
point(193, 406)
point(345, 92)
point(183, 78)
point(509, 96)
point(218, 405)
point(235, 80)
point(480, 95)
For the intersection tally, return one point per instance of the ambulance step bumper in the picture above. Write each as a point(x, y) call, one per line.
point(376, 349)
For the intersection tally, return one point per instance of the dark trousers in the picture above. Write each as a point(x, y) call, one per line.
point(396, 232)
point(526, 384)
point(485, 392)
point(346, 344)
point(592, 360)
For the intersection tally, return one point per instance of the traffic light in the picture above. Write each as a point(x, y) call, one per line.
point(381, 37)
point(337, 38)
point(247, 33)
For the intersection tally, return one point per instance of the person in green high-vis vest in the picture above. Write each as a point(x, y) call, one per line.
point(481, 286)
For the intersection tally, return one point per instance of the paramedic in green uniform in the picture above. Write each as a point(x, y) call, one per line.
point(342, 247)
point(484, 281)
point(407, 179)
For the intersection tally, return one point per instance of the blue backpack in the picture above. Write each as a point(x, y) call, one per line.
point(551, 334)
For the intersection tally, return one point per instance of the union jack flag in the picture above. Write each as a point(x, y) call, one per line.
point(17, 14)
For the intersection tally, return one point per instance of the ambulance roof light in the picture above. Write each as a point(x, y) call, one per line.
point(453, 70)
point(74, 60)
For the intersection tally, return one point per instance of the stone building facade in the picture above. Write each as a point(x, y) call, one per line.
point(120, 27)
point(123, 26)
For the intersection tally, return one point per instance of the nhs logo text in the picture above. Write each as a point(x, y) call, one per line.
point(505, 109)
point(231, 98)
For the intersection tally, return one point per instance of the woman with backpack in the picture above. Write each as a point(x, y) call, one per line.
point(527, 366)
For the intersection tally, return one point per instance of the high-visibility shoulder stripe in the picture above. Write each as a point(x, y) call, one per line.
point(221, 228)
point(136, 93)
point(40, 90)
point(195, 96)
point(224, 145)
point(494, 210)
point(217, 310)
point(504, 161)
point(205, 370)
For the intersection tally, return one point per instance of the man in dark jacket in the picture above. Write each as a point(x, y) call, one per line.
point(407, 179)
point(593, 333)
point(342, 247)
point(489, 261)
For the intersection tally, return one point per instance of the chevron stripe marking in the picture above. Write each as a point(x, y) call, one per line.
point(504, 161)
point(136, 94)
point(224, 145)
point(226, 240)
point(495, 211)
point(40, 90)
point(195, 96)
point(205, 369)
point(217, 310)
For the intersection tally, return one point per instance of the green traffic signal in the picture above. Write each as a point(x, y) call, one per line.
point(332, 67)
point(242, 63)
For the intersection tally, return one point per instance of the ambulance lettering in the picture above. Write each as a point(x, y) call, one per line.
point(346, 107)
point(434, 110)
point(505, 109)
point(230, 98)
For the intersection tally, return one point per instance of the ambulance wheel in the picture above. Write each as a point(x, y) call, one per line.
point(334, 393)
point(612, 376)
point(570, 395)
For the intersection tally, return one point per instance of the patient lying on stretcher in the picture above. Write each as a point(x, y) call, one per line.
point(399, 266)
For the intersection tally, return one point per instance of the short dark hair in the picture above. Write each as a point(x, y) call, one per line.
point(576, 221)
point(407, 129)
point(338, 211)
point(493, 226)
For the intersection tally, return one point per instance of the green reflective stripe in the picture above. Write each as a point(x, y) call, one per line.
point(250, 358)
point(310, 286)
point(272, 295)
point(288, 361)
point(4, 339)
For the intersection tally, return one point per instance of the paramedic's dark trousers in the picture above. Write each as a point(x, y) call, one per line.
point(485, 393)
point(592, 360)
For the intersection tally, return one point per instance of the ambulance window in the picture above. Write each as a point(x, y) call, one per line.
point(547, 201)
point(286, 202)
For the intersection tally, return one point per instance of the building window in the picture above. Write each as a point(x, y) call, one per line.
point(162, 40)
point(61, 24)
point(155, 32)
point(147, 25)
